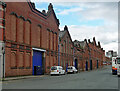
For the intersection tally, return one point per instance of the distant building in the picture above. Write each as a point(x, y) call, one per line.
point(65, 48)
point(111, 54)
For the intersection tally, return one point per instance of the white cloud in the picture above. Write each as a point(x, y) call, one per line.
point(67, 11)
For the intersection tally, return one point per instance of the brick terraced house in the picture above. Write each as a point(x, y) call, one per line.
point(31, 42)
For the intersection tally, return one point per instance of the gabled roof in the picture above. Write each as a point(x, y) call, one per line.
point(63, 32)
point(43, 15)
point(80, 44)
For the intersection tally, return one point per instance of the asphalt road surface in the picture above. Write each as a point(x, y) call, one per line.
point(95, 79)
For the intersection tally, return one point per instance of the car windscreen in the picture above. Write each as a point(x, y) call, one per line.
point(69, 68)
point(53, 68)
point(118, 60)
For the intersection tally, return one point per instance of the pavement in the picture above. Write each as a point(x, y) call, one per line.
point(23, 77)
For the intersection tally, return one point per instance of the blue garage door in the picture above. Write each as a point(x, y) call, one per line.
point(37, 63)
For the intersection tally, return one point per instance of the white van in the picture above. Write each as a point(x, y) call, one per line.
point(118, 66)
point(114, 65)
point(57, 70)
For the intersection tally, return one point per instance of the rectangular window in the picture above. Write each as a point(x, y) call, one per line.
point(21, 47)
point(13, 46)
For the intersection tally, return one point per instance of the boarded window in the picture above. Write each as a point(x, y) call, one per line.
point(38, 36)
point(51, 41)
point(27, 32)
point(13, 27)
point(47, 39)
point(13, 59)
point(20, 59)
point(20, 30)
point(55, 42)
point(27, 60)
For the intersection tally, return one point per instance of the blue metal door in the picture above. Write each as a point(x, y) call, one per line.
point(86, 65)
point(37, 63)
point(76, 64)
point(90, 64)
point(97, 64)
point(66, 67)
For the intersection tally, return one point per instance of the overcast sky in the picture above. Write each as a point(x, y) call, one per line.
point(88, 20)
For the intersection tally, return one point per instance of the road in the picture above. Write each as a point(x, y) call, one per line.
point(95, 79)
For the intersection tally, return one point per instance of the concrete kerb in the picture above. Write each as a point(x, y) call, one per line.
point(22, 77)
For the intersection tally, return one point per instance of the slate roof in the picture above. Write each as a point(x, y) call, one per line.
point(61, 33)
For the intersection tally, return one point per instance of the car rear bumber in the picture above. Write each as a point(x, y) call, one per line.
point(54, 72)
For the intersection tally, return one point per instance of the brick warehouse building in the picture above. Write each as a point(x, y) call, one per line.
point(26, 49)
point(31, 42)
point(65, 48)
point(84, 55)
point(81, 50)
point(96, 54)
point(89, 55)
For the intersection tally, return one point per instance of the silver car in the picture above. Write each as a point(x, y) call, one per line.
point(57, 70)
point(71, 69)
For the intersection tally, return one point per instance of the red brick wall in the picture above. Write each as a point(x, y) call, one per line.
point(66, 51)
point(23, 27)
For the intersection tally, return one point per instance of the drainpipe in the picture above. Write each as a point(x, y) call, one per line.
point(73, 56)
point(4, 8)
point(58, 52)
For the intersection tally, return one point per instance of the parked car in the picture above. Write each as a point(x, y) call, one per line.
point(71, 69)
point(57, 70)
point(104, 63)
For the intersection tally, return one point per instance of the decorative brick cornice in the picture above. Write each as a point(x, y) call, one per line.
point(13, 13)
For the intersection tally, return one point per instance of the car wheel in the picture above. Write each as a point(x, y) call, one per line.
point(73, 72)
